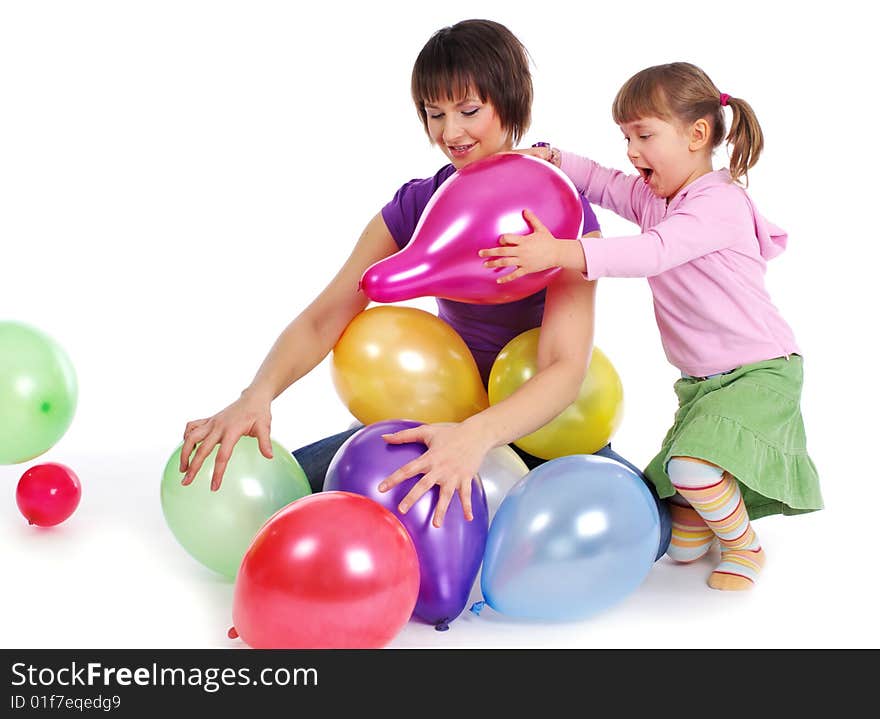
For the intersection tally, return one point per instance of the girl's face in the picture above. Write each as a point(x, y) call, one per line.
point(667, 155)
point(466, 130)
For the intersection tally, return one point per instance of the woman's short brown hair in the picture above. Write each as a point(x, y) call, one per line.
point(476, 56)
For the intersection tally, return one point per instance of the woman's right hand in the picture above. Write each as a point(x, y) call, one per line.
point(248, 416)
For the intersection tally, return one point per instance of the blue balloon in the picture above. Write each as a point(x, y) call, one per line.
point(662, 504)
point(571, 538)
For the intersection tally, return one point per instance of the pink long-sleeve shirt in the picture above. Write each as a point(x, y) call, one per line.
point(704, 255)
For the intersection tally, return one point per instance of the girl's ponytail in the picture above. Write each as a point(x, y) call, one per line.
point(683, 91)
point(745, 138)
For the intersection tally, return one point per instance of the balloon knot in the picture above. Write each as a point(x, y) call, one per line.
point(477, 607)
point(232, 634)
point(442, 625)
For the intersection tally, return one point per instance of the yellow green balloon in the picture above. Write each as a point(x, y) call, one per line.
point(583, 427)
point(38, 392)
point(216, 528)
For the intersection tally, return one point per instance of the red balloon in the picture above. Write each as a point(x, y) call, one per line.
point(468, 213)
point(333, 570)
point(47, 494)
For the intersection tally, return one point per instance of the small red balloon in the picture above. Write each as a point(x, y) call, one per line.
point(47, 494)
point(333, 570)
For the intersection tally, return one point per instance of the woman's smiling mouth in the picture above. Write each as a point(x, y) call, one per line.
point(460, 150)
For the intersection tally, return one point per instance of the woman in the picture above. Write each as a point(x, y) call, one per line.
point(472, 89)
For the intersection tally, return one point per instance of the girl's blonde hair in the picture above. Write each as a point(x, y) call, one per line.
point(681, 91)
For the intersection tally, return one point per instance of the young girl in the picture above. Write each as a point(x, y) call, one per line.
point(737, 448)
point(473, 91)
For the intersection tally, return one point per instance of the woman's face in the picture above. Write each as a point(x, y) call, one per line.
point(466, 130)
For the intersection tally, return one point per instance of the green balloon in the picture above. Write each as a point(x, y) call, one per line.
point(37, 392)
point(217, 527)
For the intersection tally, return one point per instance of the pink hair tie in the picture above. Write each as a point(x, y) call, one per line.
point(724, 98)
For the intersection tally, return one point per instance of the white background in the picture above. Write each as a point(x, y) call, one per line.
point(179, 179)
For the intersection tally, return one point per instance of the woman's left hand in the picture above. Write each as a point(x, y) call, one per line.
point(453, 458)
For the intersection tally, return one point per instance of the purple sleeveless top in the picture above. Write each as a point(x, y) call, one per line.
point(484, 328)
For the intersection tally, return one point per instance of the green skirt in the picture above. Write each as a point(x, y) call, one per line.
point(749, 423)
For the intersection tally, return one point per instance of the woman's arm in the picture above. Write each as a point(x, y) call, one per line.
point(308, 339)
point(455, 451)
point(564, 349)
point(300, 348)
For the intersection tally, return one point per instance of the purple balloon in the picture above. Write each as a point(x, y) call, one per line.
point(468, 213)
point(449, 556)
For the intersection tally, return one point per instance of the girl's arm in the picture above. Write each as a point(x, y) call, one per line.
point(303, 344)
point(626, 195)
point(708, 222)
point(455, 451)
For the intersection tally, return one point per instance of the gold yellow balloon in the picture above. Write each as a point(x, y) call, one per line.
point(405, 363)
point(586, 424)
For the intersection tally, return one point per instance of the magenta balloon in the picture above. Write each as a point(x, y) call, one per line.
point(468, 213)
point(449, 556)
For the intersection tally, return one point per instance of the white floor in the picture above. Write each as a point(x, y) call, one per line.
point(114, 576)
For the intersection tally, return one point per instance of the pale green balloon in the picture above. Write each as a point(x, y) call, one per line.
point(38, 392)
point(217, 527)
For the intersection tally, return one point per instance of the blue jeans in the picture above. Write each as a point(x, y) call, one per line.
point(315, 458)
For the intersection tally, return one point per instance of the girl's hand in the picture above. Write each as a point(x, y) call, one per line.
point(528, 253)
point(453, 458)
point(542, 153)
point(248, 416)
